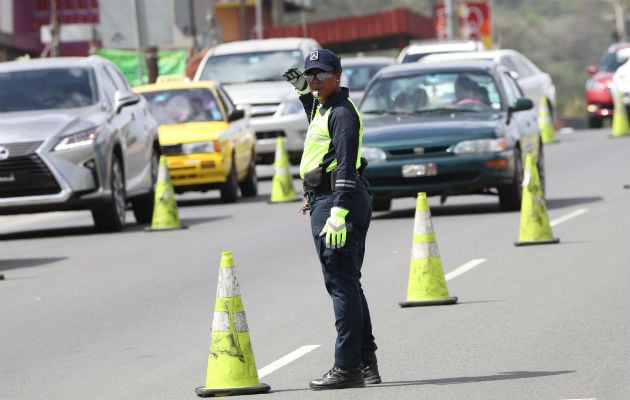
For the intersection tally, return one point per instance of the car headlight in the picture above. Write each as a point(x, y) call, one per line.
point(79, 139)
point(373, 154)
point(201, 147)
point(480, 146)
point(293, 108)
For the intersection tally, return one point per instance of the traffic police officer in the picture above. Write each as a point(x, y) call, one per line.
point(340, 209)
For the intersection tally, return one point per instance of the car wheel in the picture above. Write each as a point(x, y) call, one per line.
point(381, 204)
point(510, 195)
point(595, 122)
point(229, 190)
point(110, 216)
point(249, 187)
point(143, 205)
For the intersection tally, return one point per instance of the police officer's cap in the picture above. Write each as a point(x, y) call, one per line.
point(323, 59)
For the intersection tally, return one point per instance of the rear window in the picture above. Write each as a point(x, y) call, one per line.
point(263, 66)
point(45, 89)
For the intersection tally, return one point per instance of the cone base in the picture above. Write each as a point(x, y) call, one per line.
point(435, 302)
point(532, 242)
point(284, 201)
point(210, 392)
point(151, 229)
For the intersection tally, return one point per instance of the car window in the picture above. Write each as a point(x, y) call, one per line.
point(260, 66)
point(107, 86)
point(513, 91)
point(119, 81)
point(184, 105)
point(47, 89)
point(358, 76)
point(431, 92)
point(609, 62)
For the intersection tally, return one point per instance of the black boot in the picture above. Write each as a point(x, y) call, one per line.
point(369, 368)
point(339, 378)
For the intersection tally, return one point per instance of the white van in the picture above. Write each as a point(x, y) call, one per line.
point(251, 72)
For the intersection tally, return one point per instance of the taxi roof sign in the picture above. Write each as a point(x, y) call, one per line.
point(172, 79)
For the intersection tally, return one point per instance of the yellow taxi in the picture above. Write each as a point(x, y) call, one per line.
point(208, 143)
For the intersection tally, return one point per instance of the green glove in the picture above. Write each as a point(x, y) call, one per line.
point(335, 228)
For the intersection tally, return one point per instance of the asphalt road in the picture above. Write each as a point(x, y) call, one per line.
point(128, 316)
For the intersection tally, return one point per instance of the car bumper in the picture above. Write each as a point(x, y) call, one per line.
point(291, 127)
point(459, 175)
point(197, 169)
point(44, 180)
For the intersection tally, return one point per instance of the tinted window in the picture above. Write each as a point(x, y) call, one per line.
point(609, 63)
point(427, 92)
point(183, 105)
point(261, 66)
point(46, 89)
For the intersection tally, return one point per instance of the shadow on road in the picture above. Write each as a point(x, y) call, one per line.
point(14, 263)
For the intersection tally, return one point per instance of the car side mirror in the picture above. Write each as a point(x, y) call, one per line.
point(591, 69)
point(236, 114)
point(522, 104)
point(124, 99)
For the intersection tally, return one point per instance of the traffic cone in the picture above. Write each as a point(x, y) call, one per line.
point(165, 215)
point(427, 285)
point(282, 182)
point(545, 123)
point(620, 125)
point(231, 365)
point(535, 228)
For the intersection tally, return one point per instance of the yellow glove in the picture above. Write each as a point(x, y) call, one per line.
point(335, 228)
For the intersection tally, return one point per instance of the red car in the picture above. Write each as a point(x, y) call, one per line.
point(599, 101)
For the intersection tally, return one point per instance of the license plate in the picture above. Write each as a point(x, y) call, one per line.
point(416, 170)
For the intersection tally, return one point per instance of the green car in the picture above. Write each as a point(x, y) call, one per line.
point(448, 128)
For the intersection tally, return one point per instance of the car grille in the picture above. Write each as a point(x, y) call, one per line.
point(427, 180)
point(171, 149)
point(24, 173)
point(269, 134)
point(263, 110)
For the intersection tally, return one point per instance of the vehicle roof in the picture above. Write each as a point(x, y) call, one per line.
point(441, 66)
point(174, 85)
point(617, 46)
point(52, 62)
point(436, 45)
point(367, 60)
point(469, 55)
point(243, 46)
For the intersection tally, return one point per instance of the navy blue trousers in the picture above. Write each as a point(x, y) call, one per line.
point(342, 275)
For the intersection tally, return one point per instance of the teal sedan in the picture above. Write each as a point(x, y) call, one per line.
point(448, 129)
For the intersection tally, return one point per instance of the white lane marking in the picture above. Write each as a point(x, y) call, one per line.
point(590, 398)
point(281, 362)
point(464, 268)
point(567, 217)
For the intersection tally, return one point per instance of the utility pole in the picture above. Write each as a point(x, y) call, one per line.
point(620, 20)
point(54, 29)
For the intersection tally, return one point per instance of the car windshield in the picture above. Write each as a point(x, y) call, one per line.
point(356, 77)
point(183, 105)
point(260, 66)
point(45, 89)
point(432, 93)
point(609, 62)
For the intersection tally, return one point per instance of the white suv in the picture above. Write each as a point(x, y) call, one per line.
point(420, 48)
point(251, 73)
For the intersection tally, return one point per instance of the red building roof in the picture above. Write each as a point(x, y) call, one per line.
point(385, 30)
